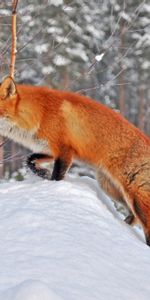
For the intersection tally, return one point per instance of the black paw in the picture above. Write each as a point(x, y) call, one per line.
point(130, 219)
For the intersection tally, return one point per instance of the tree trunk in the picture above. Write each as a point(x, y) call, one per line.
point(1, 158)
point(141, 121)
point(13, 162)
point(122, 104)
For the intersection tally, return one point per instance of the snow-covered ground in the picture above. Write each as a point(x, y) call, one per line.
point(65, 241)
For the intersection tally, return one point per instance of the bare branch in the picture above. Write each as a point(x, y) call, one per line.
point(14, 38)
point(14, 10)
point(98, 86)
point(4, 143)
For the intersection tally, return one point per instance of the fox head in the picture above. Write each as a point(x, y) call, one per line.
point(20, 104)
point(8, 98)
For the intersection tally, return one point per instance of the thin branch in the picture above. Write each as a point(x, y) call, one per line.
point(104, 84)
point(14, 157)
point(28, 42)
point(136, 12)
point(96, 87)
point(14, 38)
point(66, 36)
point(4, 143)
point(14, 10)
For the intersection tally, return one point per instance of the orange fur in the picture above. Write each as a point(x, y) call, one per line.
point(75, 126)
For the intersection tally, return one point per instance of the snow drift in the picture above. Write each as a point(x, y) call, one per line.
point(64, 240)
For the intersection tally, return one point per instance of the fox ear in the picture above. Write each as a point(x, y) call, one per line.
point(7, 88)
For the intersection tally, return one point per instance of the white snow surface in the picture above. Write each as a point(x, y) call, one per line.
point(57, 2)
point(99, 57)
point(65, 241)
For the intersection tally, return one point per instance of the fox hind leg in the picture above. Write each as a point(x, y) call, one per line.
point(113, 192)
point(130, 219)
point(141, 205)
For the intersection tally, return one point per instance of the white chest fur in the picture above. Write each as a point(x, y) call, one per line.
point(25, 138)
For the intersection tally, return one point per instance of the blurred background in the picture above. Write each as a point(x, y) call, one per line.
point(99, 48)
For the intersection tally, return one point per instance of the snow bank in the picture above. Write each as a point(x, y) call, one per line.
point(30, 290)
point(64, 240)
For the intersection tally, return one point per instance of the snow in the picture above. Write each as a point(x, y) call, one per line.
point(146, 65)
point(47, 69)
point(67, 8)
point(99, 57)
point(56, 2)
point(41, 48)
point(78, 52)
point(60, 60)
point(65, 241)
point(30, 289)
point(125, 16)
point(146, 7)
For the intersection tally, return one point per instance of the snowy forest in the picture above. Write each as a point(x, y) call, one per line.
point(98, 48)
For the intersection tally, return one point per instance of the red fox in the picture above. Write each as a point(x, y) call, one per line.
point(60, 126)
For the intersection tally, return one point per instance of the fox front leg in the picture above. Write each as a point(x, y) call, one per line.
point(61, 165)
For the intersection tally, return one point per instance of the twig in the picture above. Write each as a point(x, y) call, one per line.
point(104, 84)
point(4, 142)
point(28, 42)
point(14, 38)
